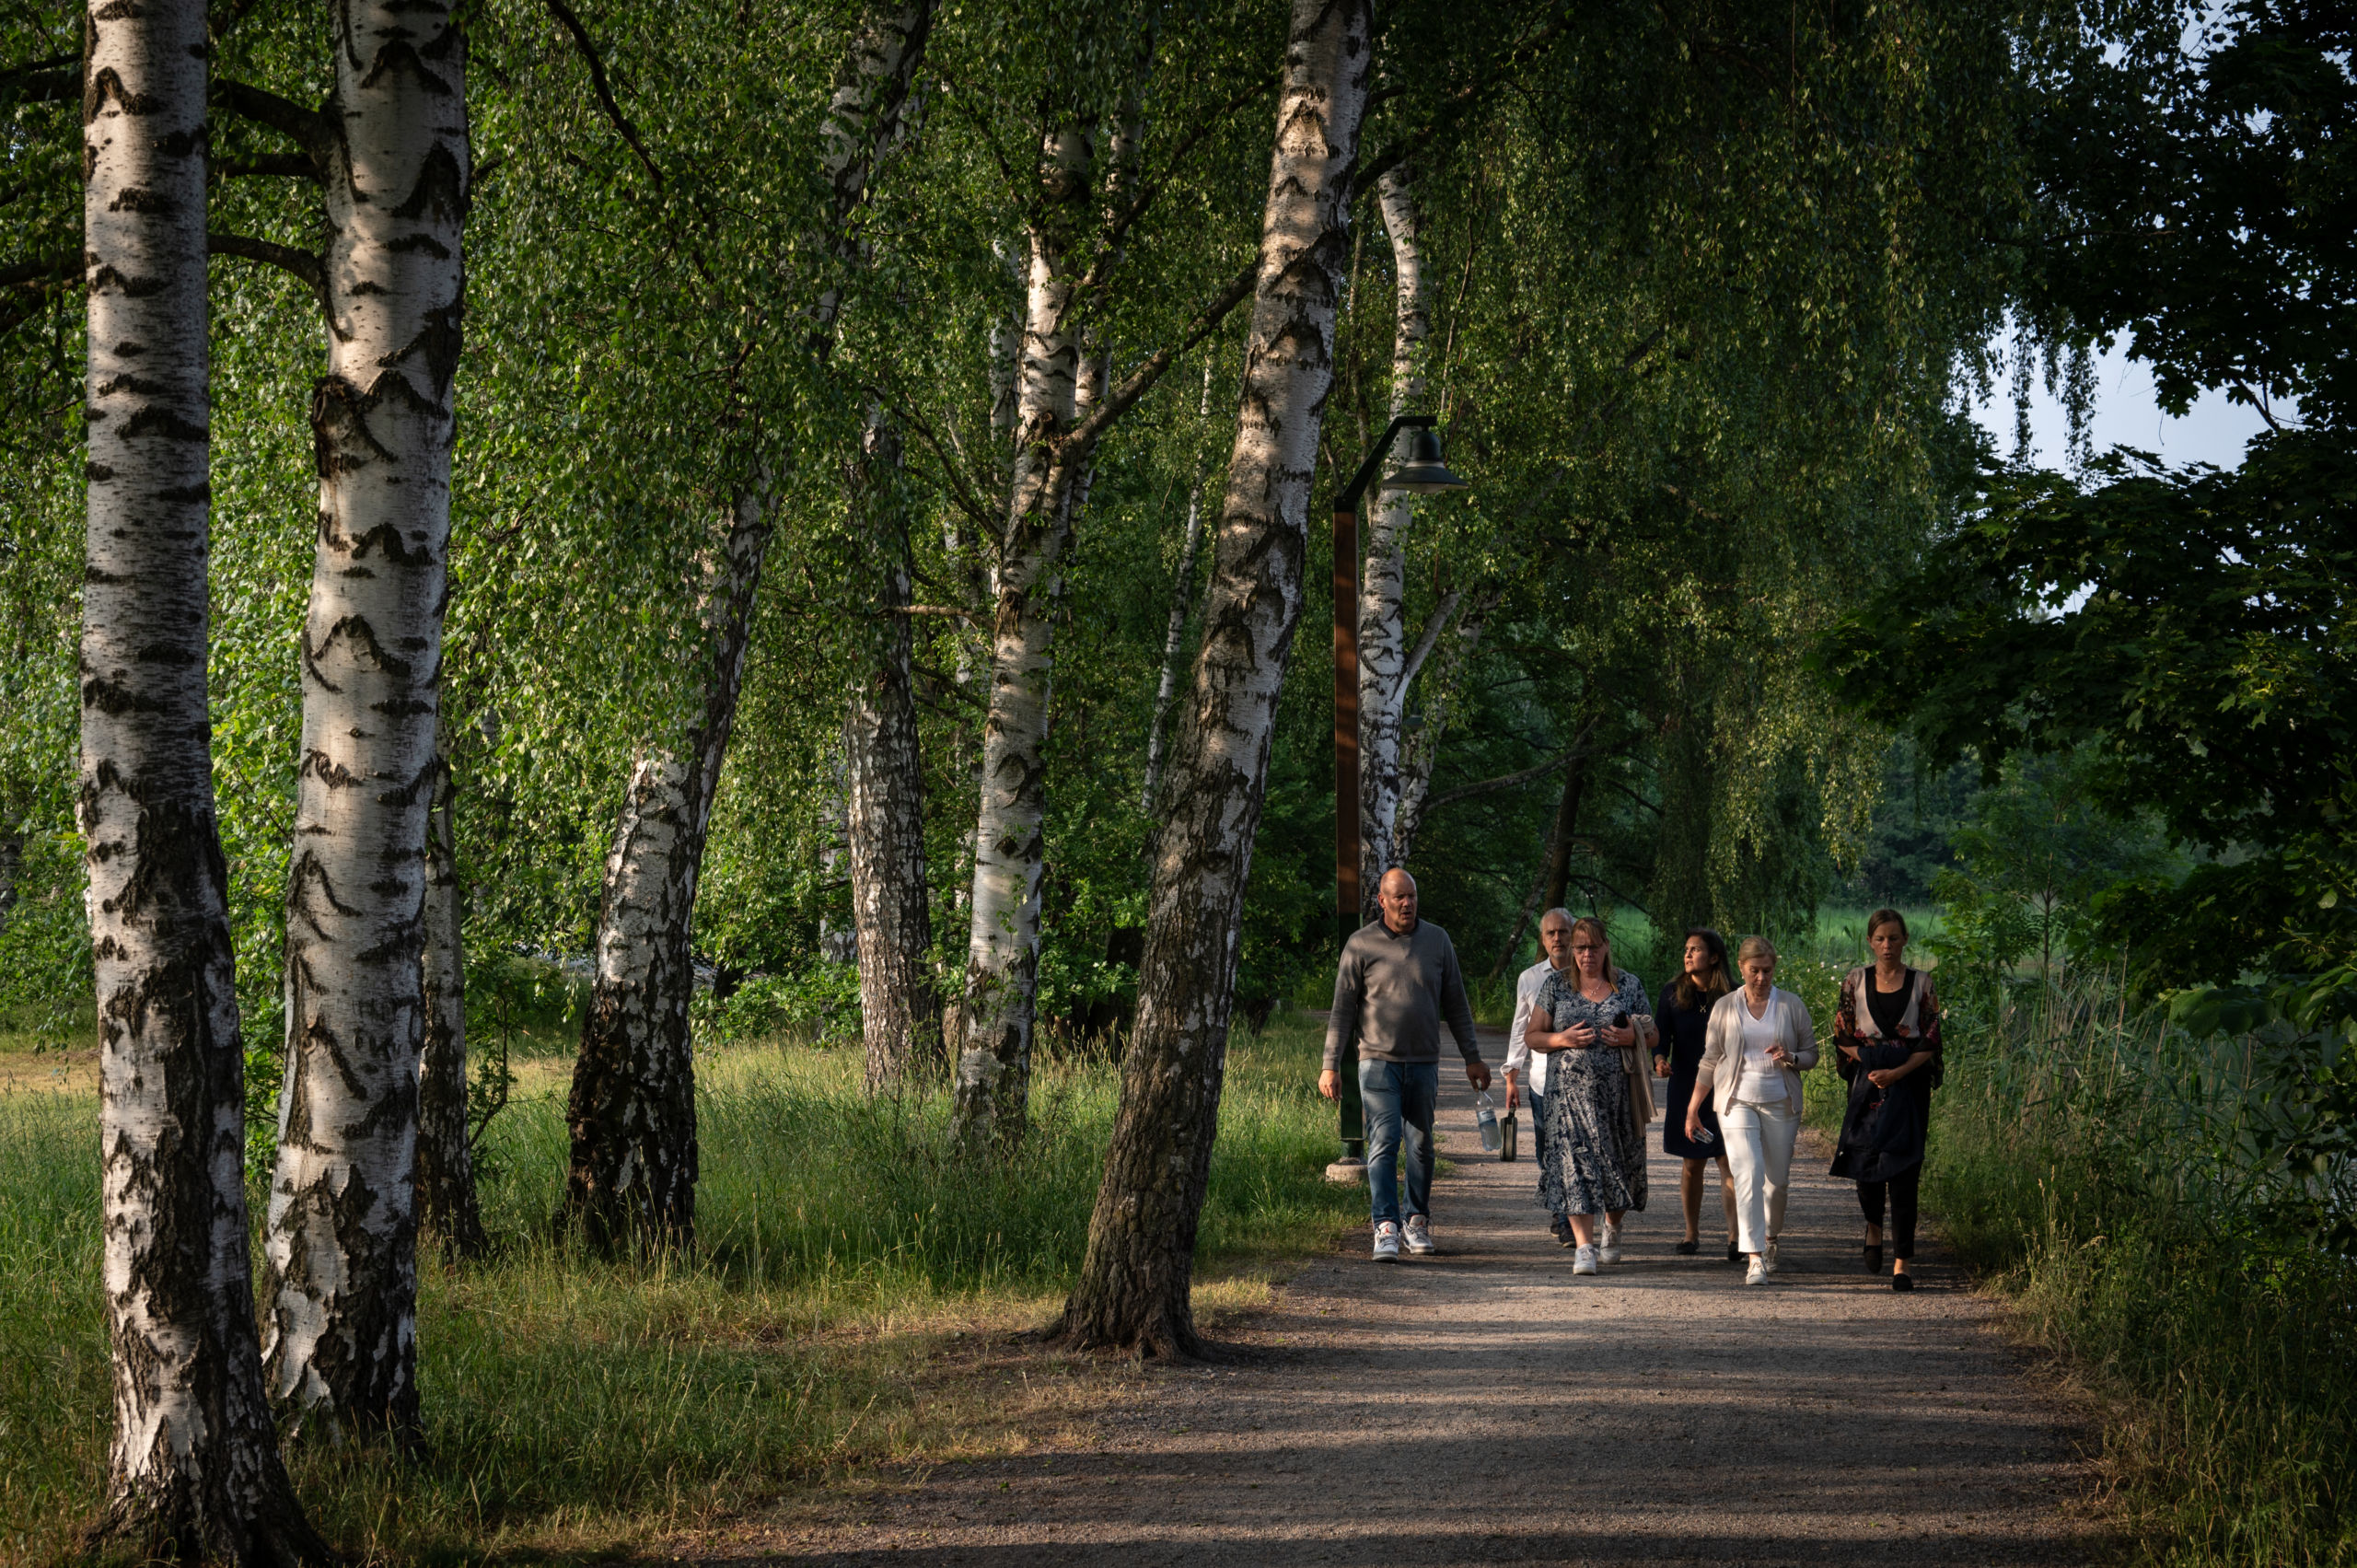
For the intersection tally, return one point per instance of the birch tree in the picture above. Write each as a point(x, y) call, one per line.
point(630, 1114)
point(193, 1472)
point(1135, 1280)
point(339, 1339)
point(447, 1207)
point(1383, 670)
point(1003, 946)
point(900, 1013)
point(1174, 636)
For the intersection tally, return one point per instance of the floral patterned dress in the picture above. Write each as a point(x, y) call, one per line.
point(1596, 1153)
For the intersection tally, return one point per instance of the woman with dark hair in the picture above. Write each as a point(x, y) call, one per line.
point(1588, 1021)
point(1887, 1031)
point(1684, 1012)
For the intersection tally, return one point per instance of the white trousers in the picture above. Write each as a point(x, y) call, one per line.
point(1760, 1156)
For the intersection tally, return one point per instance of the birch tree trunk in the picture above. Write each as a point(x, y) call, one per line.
point(12, 867)
point(340, 1336)
point(631, 1172)
point(193, 1472)
point(995, 1015)
point(900, 1013)
point(1174, 637)
point(1135, 1281)
point(1443, 691)
point(1383, 633)
point(446, 1169)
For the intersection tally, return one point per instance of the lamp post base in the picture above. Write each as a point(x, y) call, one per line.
point(1349, 1168)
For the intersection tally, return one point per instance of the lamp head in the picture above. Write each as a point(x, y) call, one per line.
point(1423, 473)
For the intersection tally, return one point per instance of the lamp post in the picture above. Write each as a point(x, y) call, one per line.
point(1423, 474)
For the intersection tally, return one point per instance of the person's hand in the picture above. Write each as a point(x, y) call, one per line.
point(1619, 1035)
point(1779, 1056)
point(1849, 1053)
point(1661, 1066)
point(1579, 1037)
point(1477, 1072)
point(1693, 1125)
point(1883, 1077)
point(1513, 1091)
point(1330, 1084)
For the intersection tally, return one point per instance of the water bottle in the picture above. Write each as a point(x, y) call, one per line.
point(1485, 1116)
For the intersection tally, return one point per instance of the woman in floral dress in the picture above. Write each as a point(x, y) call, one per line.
point(1595, 1162)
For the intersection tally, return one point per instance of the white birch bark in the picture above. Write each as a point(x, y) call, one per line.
point(1383, 639)
point(993, 1080)
point(630, 1114)
point(1135, 1280)
point(1174, 636)
point(446, 1176)
point(339, 1333)
point(193, 1472)
point(1444, 692)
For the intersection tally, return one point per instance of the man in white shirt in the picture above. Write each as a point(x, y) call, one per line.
point(1522, 1063)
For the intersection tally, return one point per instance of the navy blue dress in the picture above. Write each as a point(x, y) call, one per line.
point(1681, 1032)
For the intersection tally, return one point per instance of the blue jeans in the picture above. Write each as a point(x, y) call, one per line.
point(1537, 1100)
point(1397, 1093)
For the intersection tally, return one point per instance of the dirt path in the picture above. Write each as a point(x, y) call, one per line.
point(1483, 1405)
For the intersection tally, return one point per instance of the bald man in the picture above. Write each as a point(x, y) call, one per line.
point(1398, 979)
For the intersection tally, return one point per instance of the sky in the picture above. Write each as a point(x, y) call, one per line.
point(2213, 431)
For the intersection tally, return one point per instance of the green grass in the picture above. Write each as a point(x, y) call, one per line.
point(2097, 1170)
point(571, 1404)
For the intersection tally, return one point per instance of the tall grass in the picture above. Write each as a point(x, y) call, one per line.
point(571, 1403)
point(2115, 1176)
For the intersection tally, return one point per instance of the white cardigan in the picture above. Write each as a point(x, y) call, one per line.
point(1723, 1043)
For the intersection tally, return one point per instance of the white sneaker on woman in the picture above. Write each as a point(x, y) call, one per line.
point(1757, 1274)
point(1608, 1249)
point(1584, 1260)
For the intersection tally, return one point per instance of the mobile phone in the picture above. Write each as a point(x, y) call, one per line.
point(1619, 1020)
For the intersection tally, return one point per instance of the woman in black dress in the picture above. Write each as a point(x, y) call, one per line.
point(1887, 1032)
point(1684, 1011)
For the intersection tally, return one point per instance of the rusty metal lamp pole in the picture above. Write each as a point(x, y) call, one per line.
point(1423, 474)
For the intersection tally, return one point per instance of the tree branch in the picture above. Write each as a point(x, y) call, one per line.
point(1458, 101)
point(563, 14)
point(950, 611)
point(1504, 780)
point(309, 128)
point(53, 81)
point(41, 273)
point(285, 258)
point(1110, 246)
point(960, 492)
point(1431, 639)
point(1121, 398)
point(293, 166)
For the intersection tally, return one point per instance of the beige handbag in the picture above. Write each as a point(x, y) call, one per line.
point(1640, 1089)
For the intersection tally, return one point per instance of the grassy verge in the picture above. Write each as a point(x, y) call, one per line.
point(2097, 1170)
point(840, 1312)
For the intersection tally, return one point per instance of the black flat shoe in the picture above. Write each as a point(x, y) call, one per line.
point(1901, 1282)
point(1874, 1257)
point(1688, 1248)
point(1734, 1256)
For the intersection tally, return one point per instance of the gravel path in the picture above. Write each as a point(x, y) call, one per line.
point(1483, 1405)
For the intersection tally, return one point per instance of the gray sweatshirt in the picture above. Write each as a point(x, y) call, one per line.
point(1391, 992)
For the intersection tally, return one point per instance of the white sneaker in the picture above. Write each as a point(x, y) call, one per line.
point(1609, 1248)
point(1386, 1243)
point(1420, 1233)
point(1584, 1260)
point(1757, 1274)
point(1769, 1256)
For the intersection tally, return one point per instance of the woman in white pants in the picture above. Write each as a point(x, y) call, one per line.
point(1759, 1042)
